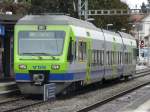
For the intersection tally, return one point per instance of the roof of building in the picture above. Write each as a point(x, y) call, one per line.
point(54, 20)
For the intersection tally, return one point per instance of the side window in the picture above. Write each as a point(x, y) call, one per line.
point(70, 50)
point(74, 48)
point(118, 57)
point(126, 58)
point(113, 57)
point(93, 57)
point(102, 58)
point(107, 55)
point(82, 51)
point(98, 57)
point(130, 61)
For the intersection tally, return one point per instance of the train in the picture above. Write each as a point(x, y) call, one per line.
point(68, 52)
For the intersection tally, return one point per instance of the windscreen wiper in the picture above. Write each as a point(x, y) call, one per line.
point(39, 54)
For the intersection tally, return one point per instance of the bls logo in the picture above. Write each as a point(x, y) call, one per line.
point(39, 67)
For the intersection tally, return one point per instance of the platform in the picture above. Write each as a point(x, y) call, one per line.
point(7, 87)
point(140, 105)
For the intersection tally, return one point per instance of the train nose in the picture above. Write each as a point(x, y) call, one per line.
point(38, 79)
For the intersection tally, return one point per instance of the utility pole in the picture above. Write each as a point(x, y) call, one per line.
point(83, 8)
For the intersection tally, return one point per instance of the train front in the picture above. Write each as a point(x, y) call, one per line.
point(40, 53)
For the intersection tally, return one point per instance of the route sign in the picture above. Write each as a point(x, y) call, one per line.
point(49, 91)
point(2, 30)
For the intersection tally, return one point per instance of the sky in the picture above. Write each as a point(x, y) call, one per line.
point(134, 4)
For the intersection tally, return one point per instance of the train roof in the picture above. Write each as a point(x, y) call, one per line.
point(64, 20)
point(126, 35)
point(54, 20)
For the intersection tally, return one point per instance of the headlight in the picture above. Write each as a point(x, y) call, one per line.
point(55, 67)
point(22, 66)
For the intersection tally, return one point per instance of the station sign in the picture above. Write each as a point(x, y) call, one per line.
point(2, 30)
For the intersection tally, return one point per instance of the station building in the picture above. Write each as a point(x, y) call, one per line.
point(7, 23)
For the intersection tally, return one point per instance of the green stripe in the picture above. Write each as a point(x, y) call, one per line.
point(89, 61)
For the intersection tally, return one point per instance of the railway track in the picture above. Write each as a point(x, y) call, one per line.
point(10, 100)
point(115, 96)
point(17, 104)
point(23, 103)
point(141, 73)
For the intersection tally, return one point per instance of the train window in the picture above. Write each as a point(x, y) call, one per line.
point(72, 51)
point(75, 51)
point(130, 58)
point(82, 51)
point(118, 57)
point(101, 57)
point(41, 43)
point(93, 57)
point(113, 57)
point(121, 61)
point(110, 58)
point(98, 57)
point(126, 58)
point(107, 57)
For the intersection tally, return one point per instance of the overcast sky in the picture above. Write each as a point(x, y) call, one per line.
point(135, 3)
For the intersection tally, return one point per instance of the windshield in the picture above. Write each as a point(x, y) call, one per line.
point(41, 43)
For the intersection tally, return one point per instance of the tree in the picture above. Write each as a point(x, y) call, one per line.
point(20, 8)
point(118, 22)
point(69, 7)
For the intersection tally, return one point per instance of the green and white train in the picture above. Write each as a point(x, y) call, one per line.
point(68, 52)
